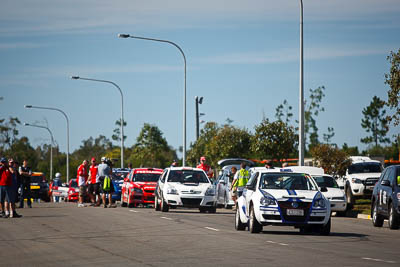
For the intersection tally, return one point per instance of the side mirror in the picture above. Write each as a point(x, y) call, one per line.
point(324, 189)
point(249, 187)
point(385, 183)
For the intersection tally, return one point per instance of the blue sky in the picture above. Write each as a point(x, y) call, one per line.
point(242, 57)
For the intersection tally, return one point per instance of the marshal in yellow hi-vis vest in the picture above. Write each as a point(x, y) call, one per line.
point(242, 179)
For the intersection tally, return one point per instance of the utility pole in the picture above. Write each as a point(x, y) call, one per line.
point(199, 100)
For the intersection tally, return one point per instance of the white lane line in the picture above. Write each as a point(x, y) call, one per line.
point(281, 244)
point(213, 229)
point(272, 242)
point(166, 218)
point(378, 260)
point(133, 210)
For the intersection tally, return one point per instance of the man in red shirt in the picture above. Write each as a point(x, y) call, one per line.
point(94, 183)
point(5, 187)
point(205, 167)
point(81, 179)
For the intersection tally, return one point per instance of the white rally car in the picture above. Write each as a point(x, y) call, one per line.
point(185, 187)
point(285, 198)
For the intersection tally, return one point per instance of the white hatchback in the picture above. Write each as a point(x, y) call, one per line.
point(185, 187)
point(284, 198)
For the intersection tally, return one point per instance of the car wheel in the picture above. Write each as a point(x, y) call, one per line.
point(226, 205)
point(123, 204)
point(325, 229)
point(350, 198)
point(202, 210)
point(305, 230)
point(239, 226)
point(156, 204)
point(254, 225)
point(212, 210)
point(164, 206)
point(130, 205)
point(377, 220)
point(393, 218)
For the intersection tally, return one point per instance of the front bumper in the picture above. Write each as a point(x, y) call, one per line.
point(280, 216)
point(361, 190)
point(190, 201)
point(338, 205)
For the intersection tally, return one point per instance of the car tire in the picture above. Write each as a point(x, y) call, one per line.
point(349, 197)
point(254, 225)
point(226, 205)
point(325, 229)
point(123, 204)
point(156, 204)
point(377, 220)
point(164, 206)
point(305, 230)
point(212, 210)
point(393, 218)
point(202, 209)
point(239, 226)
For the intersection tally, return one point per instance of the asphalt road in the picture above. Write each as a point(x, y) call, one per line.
point(61, 234)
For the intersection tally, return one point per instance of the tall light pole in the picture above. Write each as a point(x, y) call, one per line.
point(122, 110)
point(301, 100)
point(199, 100)
point(51, 145)
point(184, 91)
point(66, 117)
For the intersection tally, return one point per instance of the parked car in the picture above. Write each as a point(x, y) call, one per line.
point(59, 191)
point(334, 194)
point(117, 180)
point(283, 197)
point(139, 186)
point(385, 201)
point(185, 187)
point(360, 178)
point(224, 181)
point(73, 191)
point(39, 187)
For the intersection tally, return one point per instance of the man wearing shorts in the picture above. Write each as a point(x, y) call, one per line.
point(94, 184)
point(5, 187)
point(105, 170)
point(82, 181)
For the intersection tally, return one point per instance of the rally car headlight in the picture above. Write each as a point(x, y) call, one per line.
point(172, 191)
point(319, 203)
point(356, 181)
point(210, 191)
point(267, 201)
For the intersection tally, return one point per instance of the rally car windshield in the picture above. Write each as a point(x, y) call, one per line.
point(187, 176)
point(74, 183)
point(366, 167)
point(146, 177)
point(289, 181)
point(326, 181)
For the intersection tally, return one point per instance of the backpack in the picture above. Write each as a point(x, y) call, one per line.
point(107, 184)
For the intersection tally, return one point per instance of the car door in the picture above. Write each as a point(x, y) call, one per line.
point(220, 185)
point(385, 189)
point(161, 183)
point(251, 187)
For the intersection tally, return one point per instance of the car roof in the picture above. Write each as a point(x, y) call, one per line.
point(235, 161)
point(147, 170)
point(184, 168)
point(307, 169)
point(361, 159)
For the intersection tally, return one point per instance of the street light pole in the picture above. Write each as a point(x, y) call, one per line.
point(184, 91)
point(122, 110)
point(301, 100)
point(51, 145)
point(66, 117)
point(199, 100)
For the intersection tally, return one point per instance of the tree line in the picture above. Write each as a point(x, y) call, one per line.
point(270, 139)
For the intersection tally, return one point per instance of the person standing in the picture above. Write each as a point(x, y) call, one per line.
point(12, 192)
point(241, 179)
point(5, 182)
point(205, 167)
point(56, 183)
point(104, 172)
point(94, 183)
point(26, 174)
point(231, 179)
point(82, 175)
point(268, 164)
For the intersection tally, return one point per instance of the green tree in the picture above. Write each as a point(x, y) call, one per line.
point(328, 136)
point(311, 111)
point(284, 112)
point(200, 147)
point(393, 80)
point(375, 122)
point(8, 132)
point(117, 131)
point(333, 160)
point(351, 151)
point(151, 149)
point(274, 140)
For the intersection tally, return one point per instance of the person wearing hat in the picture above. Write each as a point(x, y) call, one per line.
point(94, 183)
point(26, 174)
point(205, 167)
point(5, 186)
point(56, 183)
point(104, 171)
point(81, 178)
point(174, 163)
point(268, 164)
point(12, 190)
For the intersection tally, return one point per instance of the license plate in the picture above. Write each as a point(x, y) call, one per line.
point(293, 212)
point(35, 186)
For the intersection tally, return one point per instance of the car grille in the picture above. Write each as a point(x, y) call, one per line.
point(370, 181)
point(191, 202)
point(284, 205)
point(149, 190)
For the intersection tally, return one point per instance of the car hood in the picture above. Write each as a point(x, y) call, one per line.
point(365, 175)
point(190, 187)
point(285, 195)
point(333, 192)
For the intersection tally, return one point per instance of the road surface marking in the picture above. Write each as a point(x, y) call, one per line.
point(378, 260)
point(166, 218)
point(213, 229)
point(133, 210)
point(281, 244)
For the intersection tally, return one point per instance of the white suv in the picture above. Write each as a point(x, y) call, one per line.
point(360, 178)
point(185, 187)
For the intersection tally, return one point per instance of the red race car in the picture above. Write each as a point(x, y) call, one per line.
point(73, 191)
point(139, 187)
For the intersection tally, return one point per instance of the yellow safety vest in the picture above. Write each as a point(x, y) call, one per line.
point(243, 178)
